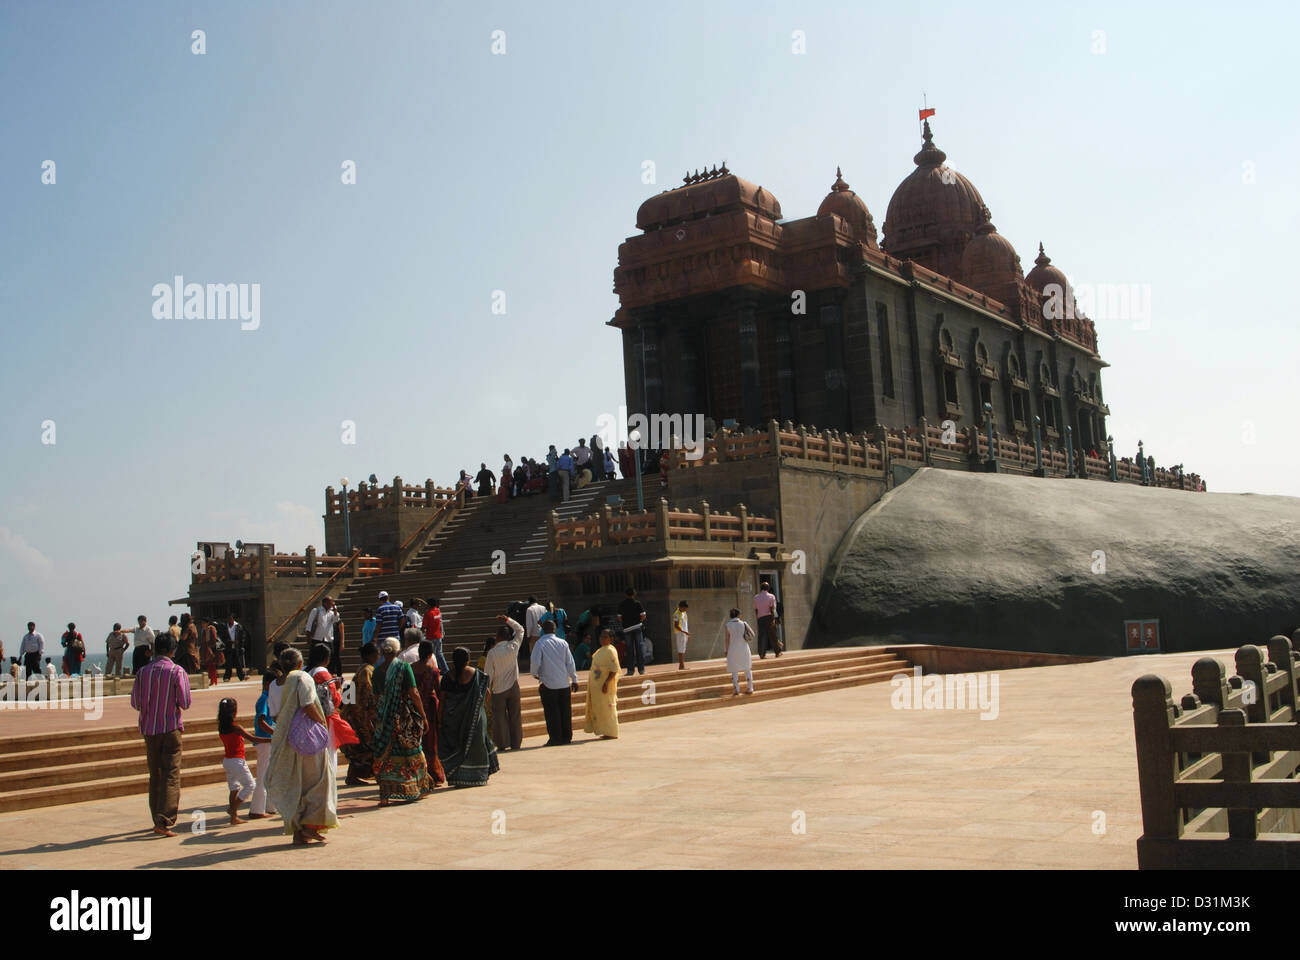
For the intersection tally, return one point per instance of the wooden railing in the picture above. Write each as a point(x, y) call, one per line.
point(1217, 770)
point(260, 566)
point(394, 495)
point(312, 600)
point(661, 525)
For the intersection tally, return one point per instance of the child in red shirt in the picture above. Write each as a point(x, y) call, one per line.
point(239, 779)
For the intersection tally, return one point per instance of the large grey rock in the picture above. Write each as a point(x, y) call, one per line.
point(992, 560)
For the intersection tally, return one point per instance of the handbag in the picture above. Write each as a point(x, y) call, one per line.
point(306, 736)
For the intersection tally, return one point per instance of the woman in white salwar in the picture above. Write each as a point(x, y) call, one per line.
point(302, 788)
point(737, 635)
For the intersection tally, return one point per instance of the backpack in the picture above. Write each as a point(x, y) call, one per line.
point(326, 696)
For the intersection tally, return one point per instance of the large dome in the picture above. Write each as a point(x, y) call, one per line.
point(851, 208)
point(933, 213)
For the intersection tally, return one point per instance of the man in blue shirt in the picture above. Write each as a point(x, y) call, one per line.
point(552, 665)
point(565, 467)
point(388, 619)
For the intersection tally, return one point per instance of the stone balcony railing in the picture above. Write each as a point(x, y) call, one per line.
point(368, 496)
point(924, 446)
point(264, 566)
point(662, 526)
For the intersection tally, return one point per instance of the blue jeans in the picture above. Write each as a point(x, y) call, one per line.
point(635, 656)
point(437, 654)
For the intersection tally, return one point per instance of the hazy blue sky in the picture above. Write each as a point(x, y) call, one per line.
point(1162, 153)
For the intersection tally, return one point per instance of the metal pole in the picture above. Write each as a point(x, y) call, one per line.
point(1038, 444)
point(640, 499)
point(347, 523)
point(1110, 453)
point(988, 423)
point(1143, 461)
point(1069, 451)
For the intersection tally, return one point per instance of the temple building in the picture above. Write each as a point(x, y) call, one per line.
point(730, 311)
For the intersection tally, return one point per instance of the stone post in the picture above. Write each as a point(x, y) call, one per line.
point(605, 513)
point(803, 441)
point(263, 565)
point(720, 444)
point(925, 441)
point(396, 492)
point(363, 494)
point(311, 561)
point(661, 519)
point(329, 502)
point(704, 510)
point(774, 437)
point(430, 495)
point(743, 513)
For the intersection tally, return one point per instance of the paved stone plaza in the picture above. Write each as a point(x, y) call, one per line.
point(877, 787)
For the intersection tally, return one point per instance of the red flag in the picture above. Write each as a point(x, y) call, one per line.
point(927, 113)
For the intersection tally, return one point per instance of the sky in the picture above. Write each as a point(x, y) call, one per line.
point(1145, 148)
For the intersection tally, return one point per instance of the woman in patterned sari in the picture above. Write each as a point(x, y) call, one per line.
point(427, 679)
point(399, 731)
point(361, 714)
point(467, 752)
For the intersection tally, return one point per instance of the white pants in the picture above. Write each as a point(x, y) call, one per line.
point(238, 777)
point(749, 678)
point(260, 803)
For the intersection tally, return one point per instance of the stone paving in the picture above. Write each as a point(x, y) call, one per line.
point(875, 786)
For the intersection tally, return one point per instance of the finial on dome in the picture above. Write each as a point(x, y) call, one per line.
point(839, 186)
point(930, 155)
point(986, 222)
point(1043, 259)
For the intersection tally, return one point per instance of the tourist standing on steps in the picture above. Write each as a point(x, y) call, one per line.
point(565, 467)
point(552, 665)
point(501, 664)
point(320, 623)
point(486, 479)
point(143, 638)
point(31, 649)
point(610, 466)
point(765, 611)
point(736, 636)
point(602, 689)
point(553, 473)
point(533, 622)
point(388, 619)
point(681, 633)
point(433, 632)
point(160, 692)
point(115, 645)
point(368, 627)
point(632, 615)
point(235, 640)
point(597, 459)
point(581, 456)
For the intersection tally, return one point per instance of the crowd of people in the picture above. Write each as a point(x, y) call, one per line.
point(202, 644)
point(411, 723)
point(558, 473)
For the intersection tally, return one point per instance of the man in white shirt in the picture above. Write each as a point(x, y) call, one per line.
point(581, 455)
point(502, 668)
point(30, 650)
point(320, 623)
point(533, 621)
point(143, 637)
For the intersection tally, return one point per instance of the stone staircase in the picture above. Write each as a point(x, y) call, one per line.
point(107, 760)
point(456, 566)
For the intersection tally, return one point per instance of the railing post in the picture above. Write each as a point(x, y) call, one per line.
point(803, 441)
point(1281, 655)
point(605, 513)
point(1242, 821)
point(925, 441)
point(1252, 664)
point(661, 520)
point(430, 496)
point(720, 443)
point(774, 437)
point(329, 502)
point(396, 493)
point(1153, 718)
point(704, 510)
point(743, 512)
point(310, 557)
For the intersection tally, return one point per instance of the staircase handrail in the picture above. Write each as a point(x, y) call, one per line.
point(404, 552)
point(310, 601)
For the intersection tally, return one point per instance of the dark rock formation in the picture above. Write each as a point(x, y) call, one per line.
point(993, 560)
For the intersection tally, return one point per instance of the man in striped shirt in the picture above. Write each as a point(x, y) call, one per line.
point(160, 692)
point(388, 619)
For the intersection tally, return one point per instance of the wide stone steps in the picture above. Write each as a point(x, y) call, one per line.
point(108, 761)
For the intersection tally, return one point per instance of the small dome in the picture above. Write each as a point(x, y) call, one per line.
point(933, 213)
point(1044, 273)
point(990, 264)
point(850, 208)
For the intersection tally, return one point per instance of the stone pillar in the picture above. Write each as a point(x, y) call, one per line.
point(363, 494)
point(774, 437)
point(329, 502)
point(263, 565)
point(925, 441)
point(311, 561)
point(397, 493)
point(704, 510)
point(661, 518)
point(743, 512)
point(429, 493)
point(803, 440)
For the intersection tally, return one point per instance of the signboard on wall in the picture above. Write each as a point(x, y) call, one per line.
point(1141, 636)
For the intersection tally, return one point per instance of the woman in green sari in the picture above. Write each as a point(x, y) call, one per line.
point(467, 752)
point(399, 763)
